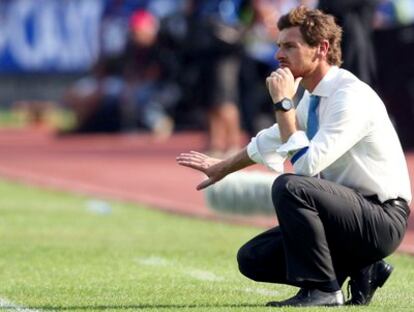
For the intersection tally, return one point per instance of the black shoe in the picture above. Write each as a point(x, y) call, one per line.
point(364, 284)
point(311, 298)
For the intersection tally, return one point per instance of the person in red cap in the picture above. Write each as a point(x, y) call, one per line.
point(145, 77)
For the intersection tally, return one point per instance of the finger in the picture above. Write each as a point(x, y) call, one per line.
point(286, 73)
point(268, 81)
point(287, 70)
point(190, 156)
point(280, 71)
point(193, 152)
point(199, 155)
point(205, 184)
point(190, 164)
point(191, 161)
point(185, 158)
point(183, 155)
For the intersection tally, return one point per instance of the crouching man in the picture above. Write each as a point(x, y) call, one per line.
point(345, 208)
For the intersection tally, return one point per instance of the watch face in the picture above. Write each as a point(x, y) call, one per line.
point(286, 104)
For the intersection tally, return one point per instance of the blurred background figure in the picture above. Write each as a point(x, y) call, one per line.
point(95, 99)
point(394, 42)
point(130, 87)
point(258, 62)
point(393, 14)
point(356, 19)
point(214, 48)
point(148, 89)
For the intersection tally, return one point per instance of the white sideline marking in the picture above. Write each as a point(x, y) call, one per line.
point(262, 291)
point(202, 275)
point(14, 307)
point(154, 261)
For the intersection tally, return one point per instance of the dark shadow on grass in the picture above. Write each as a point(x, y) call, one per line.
point(137, 307)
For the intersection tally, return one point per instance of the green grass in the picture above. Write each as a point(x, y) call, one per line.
point(63, 252)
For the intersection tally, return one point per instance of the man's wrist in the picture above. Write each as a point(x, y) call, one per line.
point(284, 105)
point(278, 99)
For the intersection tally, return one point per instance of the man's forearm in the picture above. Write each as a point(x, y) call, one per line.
point(237, 162)
point(287, 124)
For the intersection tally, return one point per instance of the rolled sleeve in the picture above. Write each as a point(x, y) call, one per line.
point(262, 149)
point(296, 142)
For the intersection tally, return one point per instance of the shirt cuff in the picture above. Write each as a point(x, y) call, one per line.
point(262, 149)
point(253, 152)
point(296, 141)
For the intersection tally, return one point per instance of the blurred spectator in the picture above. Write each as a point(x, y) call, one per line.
point(385, 15)
point(394, 39)
point(148, 89)
point(356, 19)
point(259, 61)
point(209, 38)
point(95, 99)
point(260, 38)
point(128, 90)
point(391, 13)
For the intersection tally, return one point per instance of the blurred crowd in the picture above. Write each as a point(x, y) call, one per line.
point(165, 65)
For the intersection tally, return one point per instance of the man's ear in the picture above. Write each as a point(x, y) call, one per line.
point(323, 48)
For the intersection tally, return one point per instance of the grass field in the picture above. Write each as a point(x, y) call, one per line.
point(63, 252)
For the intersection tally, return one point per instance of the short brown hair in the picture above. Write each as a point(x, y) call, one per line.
point(315, 26)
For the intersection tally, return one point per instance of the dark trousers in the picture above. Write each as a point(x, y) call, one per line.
point(326, 232)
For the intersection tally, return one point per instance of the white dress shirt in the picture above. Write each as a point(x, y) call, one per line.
point(356, 144)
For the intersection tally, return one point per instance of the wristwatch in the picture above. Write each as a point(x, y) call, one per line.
point(284, 105)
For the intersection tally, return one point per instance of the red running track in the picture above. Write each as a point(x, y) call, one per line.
point(127, 167)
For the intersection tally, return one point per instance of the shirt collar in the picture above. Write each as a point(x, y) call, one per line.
point(326, 86)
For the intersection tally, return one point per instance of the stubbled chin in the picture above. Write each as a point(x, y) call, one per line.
point(294, 73)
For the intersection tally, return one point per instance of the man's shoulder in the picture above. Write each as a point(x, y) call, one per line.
point(350, 91)
point(334, 80)
point(346, 77)
point(345, 81)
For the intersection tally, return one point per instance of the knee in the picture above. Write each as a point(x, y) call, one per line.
point(281, 181)
point(246, 263)
point(281, 186)
point(242, 259)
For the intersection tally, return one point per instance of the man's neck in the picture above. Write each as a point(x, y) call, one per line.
point(312, 80)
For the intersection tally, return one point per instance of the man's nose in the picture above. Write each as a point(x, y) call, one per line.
point(278, 54)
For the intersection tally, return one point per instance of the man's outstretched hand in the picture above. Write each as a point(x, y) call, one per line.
point(212, 167)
